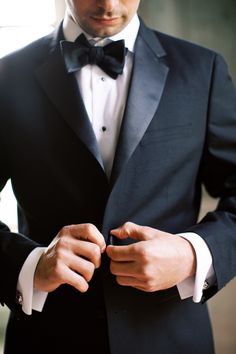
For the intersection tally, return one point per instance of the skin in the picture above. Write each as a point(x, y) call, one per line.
point(102, 18)
point(158, 260)
point(71, 258)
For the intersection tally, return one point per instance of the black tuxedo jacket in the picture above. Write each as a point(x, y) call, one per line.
point(178, 132)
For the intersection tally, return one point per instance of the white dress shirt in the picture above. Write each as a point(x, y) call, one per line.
point(105, 100)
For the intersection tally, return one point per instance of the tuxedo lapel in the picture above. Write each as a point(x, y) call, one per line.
point(147, 84)
point(63, 91)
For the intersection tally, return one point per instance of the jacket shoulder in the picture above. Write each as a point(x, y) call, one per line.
point(31, 54)
point(172, 42)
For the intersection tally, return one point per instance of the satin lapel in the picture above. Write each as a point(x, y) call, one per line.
point(62, 90)
point(147, 84)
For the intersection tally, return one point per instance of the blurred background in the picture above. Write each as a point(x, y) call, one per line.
point(211, 23)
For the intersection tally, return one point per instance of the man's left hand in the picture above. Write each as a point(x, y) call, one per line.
point(158, 261)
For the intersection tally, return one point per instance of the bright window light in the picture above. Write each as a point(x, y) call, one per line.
point(13, 38)
point(22, 21)
point(27, 12)
point(8, 210)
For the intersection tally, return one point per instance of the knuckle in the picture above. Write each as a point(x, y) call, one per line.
point(145, 273)
point(83, 286)
point(58, 271)
point(143, 253)
point(119, 280)
point(150, 285)
point(96, 253)
point(62, 243)
point(90, 228)
point(65, 230)
point(112, 268)
point(127, 225)
point(89, 271)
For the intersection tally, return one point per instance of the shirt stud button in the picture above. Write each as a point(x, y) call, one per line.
point(104, 129)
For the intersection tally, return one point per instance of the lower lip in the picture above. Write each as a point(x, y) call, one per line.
point(106, 21)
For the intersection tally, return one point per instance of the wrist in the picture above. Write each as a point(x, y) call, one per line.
point(188, 256)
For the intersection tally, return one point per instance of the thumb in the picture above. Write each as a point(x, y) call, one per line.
point(130, 229)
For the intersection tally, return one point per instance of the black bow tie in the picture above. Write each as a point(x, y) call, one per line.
point(110, 58)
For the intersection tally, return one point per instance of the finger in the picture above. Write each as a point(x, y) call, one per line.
point(82, 266)
point(76, 280)
point(88, 250)
point(136, 283)
point(123, 268)
point(121, 253)
point(129, 281)
point(86, 232)
point(135, 231)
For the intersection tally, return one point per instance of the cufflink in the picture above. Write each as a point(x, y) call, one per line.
point(19, 298)
point(206, 285)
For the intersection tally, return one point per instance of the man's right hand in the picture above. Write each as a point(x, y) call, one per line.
point(71, 258)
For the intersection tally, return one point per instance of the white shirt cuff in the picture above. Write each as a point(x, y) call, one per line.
point(31, 299)
point(194, 286)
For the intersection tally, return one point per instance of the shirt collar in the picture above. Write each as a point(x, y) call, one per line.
point(72, 30)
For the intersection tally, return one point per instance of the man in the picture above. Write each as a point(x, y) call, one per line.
point(107, 156)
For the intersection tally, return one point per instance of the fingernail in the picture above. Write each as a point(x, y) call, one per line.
point(115, 230)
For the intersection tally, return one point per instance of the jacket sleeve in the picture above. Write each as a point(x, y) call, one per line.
point(218, 174)
point(14, 248)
